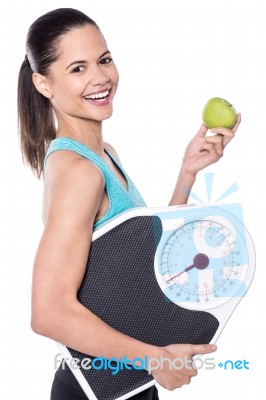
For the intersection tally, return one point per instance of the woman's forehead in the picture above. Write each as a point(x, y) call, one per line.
point(82, 41)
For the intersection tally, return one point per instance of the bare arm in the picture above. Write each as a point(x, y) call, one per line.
point(60, 265)
point(201, 152)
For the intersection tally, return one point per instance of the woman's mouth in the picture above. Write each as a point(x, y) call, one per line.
point(99, 99)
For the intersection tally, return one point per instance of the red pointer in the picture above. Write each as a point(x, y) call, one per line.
point(200, 261)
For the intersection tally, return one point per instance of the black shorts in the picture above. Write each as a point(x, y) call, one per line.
point(66, 387)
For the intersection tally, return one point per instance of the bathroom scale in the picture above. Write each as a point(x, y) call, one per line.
point(162, 275)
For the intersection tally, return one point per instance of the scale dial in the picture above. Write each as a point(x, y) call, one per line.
point(202, 263)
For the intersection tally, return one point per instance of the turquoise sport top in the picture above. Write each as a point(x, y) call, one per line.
point(120, 199)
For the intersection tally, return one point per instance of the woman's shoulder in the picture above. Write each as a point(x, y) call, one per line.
point(71, 180)
point(67, 170)
point(64, 164)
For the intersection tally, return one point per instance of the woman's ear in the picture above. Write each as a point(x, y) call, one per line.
point(41, 84)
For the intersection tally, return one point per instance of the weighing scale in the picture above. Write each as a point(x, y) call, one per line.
point(163, 275)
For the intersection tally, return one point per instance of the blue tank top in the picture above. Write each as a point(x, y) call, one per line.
point(120, 199)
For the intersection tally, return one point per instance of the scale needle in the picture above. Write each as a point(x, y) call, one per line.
point(200, 261)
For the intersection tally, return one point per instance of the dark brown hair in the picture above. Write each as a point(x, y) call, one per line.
point(35, 113)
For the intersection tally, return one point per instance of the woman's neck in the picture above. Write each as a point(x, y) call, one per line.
point(86, 132)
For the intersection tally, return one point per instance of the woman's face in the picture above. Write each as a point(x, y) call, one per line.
point(84, 80)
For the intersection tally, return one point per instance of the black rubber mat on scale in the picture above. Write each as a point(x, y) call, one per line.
point(121, 288)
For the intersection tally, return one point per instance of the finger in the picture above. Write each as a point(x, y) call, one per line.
point(223, 131)
point(186, 379)
point(203, 348)
point(213, 155)
point(186, 366)
point(202, 131)
point(190, 369)
point(217, 140)
point(234, 129)
point(227, 134)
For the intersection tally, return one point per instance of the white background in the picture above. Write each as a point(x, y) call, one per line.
point(172, 56)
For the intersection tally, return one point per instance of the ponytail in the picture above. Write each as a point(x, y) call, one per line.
point(35, 120)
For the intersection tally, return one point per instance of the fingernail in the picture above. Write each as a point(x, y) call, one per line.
point(213, 346)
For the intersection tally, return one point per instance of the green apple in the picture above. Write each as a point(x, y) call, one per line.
point(219, 112)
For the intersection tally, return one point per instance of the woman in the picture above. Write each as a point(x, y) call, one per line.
point(68, 77)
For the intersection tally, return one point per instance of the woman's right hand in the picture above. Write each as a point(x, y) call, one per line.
point(172, 375)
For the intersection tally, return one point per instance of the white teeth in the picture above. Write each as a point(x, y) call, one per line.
point(98, 95)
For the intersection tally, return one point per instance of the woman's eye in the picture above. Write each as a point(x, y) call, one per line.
point(105, 61)
point(78, 69)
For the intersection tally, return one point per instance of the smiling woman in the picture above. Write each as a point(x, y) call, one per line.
point(84, 76)
point(68, 76)
point(69, 73)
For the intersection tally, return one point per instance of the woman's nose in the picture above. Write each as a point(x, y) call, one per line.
point(99, 77)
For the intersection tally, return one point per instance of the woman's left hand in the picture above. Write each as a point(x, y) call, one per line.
point(204, 150)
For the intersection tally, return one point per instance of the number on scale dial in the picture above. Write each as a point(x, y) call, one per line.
point(202, 263)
